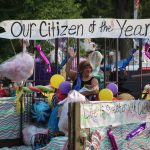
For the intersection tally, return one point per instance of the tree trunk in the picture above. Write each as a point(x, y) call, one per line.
point(123, 11)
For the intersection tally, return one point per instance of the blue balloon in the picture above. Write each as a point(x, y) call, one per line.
point(40, 111)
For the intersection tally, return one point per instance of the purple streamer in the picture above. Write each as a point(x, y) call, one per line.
point(39, 49)
point(112, 139)
point(136, 131)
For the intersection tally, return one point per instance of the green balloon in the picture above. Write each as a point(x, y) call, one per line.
point(27, 90)
point(44, 88)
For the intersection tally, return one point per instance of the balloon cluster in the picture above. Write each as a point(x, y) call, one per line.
point(57, 81)
point(109, 92)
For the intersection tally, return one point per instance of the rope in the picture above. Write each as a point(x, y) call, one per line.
point(13, 47)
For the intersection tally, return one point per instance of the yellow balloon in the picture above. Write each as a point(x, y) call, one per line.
point(105, 95)
point(55, 80)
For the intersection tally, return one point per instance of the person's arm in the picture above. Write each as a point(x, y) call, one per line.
point(95, 87)
point(70, 73)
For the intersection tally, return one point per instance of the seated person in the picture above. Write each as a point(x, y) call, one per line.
point(12, 89)
point(83, 79)
point(3, 92)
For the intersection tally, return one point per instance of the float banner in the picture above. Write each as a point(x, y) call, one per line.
point(104, 114)
point(75, 28)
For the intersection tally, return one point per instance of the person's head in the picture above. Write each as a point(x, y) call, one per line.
point(1, 84)
point(85, 67)
point(14, 85)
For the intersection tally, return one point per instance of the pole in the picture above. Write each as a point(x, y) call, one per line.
point(135, 11)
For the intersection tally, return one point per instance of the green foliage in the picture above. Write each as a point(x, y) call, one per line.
point(62, 9)
point(97, 8)
point(144, 9)
point(33, 10)
point(49, 9)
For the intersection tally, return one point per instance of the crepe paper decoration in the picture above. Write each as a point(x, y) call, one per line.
point(39, 49)
point(96, 139)
point(136, 131)
point(19, 93)
point(126, 62)
point(112, 139)
point(40, 111)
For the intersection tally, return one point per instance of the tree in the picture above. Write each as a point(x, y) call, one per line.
point(124, 10)
point(33, 10)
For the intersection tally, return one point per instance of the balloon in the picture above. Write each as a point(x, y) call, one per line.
point(113, 87)
point(65, 87)
point(105, 94)
point(27, 90)
point(56, 80)
point(35, 89)
point(125, 96)
point(45, 88)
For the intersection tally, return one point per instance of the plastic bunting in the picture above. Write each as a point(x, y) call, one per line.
point(61, 65)
point(126, 62)
point(19, 93)
point(39, 49)
point(147, 50)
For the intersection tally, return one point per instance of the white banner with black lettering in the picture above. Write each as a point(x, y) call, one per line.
point(100, 114)
point(77, 28)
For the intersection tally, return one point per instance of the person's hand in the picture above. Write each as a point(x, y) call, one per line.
point(71, 52)
point(148, 90)
point(88, 86)
point(95, 91)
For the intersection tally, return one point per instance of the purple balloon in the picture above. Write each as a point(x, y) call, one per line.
point(113, 87)
point(65, 87)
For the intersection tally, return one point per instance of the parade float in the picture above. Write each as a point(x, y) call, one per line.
point(115, 121)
